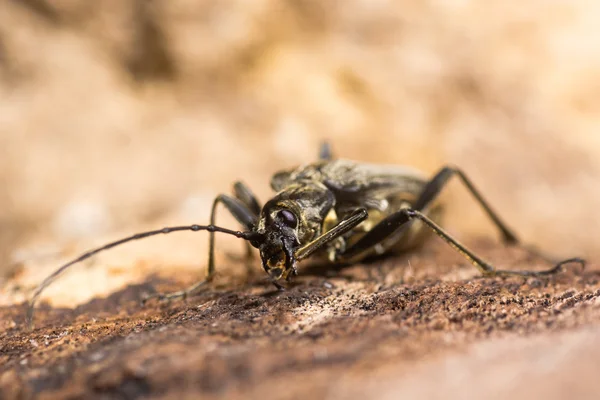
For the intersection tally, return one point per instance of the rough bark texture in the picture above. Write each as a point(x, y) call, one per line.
point(123, 115)
point(423, 325)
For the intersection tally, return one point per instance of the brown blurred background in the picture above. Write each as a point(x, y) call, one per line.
point(126, 114)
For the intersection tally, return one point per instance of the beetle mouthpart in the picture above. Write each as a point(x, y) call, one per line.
point(276, 273)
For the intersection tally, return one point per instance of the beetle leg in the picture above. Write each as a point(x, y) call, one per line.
point(439, 181)
point(245, 195)
point(243, 215)
point(325, 152)
point(346, 224)
point(240, 212)
point(397, 220)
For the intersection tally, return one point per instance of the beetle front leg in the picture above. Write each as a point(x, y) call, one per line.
point(347, 223)
point(246, 196)
point(243, 215)
point(249, 199)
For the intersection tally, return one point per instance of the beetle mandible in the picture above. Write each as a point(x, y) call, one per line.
point(343, 210)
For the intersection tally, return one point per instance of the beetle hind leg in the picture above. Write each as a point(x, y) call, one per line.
point(440, 180)
point(486, 268)
point(438, 183)
point(402, 218)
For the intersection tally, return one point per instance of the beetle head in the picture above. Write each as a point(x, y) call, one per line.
point(279, 229)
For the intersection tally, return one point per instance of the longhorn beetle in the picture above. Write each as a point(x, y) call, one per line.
point(341, 209)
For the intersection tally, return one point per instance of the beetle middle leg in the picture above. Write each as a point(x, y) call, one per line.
point(243, 207)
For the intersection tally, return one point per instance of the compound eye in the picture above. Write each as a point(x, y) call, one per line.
point(288, 218)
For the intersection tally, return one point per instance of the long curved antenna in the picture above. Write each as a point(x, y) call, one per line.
point(137, 236)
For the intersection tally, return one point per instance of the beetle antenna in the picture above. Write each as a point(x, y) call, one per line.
point(195, 228)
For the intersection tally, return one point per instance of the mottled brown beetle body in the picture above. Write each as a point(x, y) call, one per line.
point(342, 210)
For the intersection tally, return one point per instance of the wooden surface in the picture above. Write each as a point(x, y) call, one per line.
point(422, 325)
